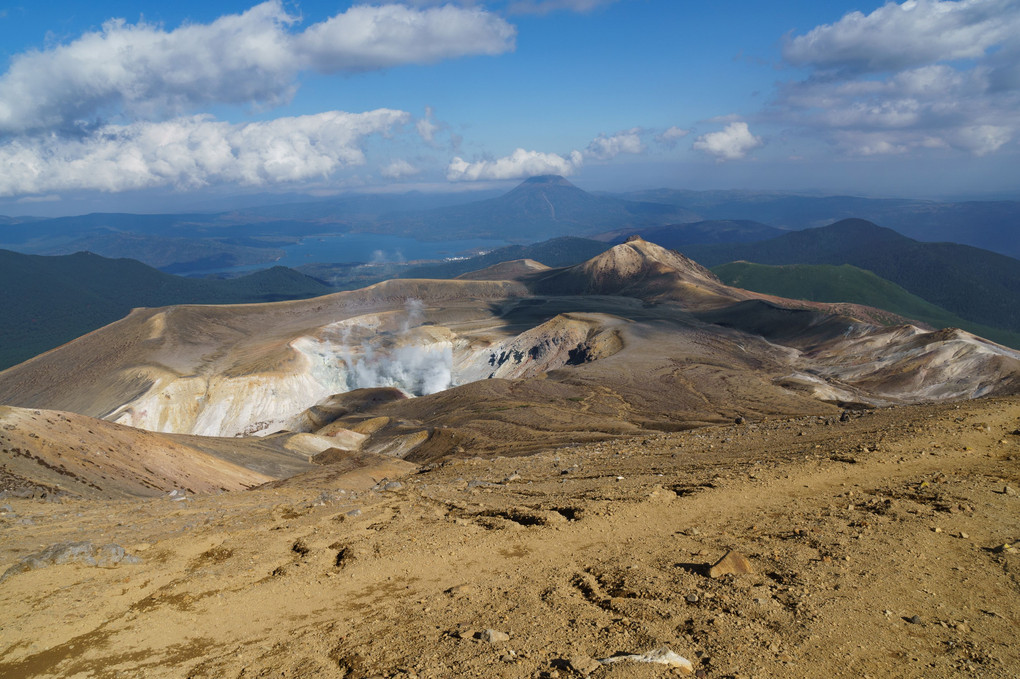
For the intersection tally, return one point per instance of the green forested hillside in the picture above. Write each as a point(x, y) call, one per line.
point(46, 301)
point(846, 283)
point(980, 286)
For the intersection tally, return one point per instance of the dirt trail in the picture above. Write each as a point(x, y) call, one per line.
point(853, 529)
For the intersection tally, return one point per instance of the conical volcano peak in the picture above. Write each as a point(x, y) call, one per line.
point(547, 179)
point(638, 255)
point(643, 270)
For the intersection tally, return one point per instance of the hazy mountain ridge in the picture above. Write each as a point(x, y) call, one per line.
point(990, 225)
point(539, 208)
point(679, 236)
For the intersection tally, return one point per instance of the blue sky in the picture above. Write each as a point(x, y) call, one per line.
point(120, 105)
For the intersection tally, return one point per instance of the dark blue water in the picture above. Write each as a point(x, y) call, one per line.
point(370, 247)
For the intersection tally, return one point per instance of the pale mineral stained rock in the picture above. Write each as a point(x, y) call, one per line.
point(658, 656)
point(494, 636)
point(732, 563)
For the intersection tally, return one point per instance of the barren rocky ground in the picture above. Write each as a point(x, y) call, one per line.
point(880, 546)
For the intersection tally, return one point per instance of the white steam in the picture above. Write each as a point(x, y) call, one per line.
point(409, 361)
point(416, 369)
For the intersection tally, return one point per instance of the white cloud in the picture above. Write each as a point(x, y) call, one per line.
point(521, 163)
point(190, 152)
point(369, 37)
point(911, 76)
point(981, 139)
point(518, 165)
point(399, 169)
point(671, 136)
point(627, 141)
point(427, 127)
point(147, 72)
point(898, 36)
point(547, 6)
point(732, 143)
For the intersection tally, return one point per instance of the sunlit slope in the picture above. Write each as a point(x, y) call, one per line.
point(637, 339)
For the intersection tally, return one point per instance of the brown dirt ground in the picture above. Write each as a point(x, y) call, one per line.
point(852, 528)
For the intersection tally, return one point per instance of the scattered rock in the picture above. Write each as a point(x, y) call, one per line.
point(733, 563)
point(583, 664)
point(461, 591)
point(85, 553)
point(914, 620)
point(1009, 490)
point(477, 483)
point(739, 420)
point(658, 656)
point(692, 598)
point(844, 416)
point(493, 636)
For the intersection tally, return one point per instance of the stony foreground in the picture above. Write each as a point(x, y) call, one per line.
point(880, 546)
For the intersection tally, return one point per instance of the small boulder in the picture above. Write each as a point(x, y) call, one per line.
point(732, 563)
point(583, 665)
point(493, 636)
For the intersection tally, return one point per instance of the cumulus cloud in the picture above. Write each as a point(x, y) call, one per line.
point(671, 136)
point(518, 165)
point(521, 163)
point(146, 72)
point(918, 75)
point(732, 143)
point(627, 141)
point(547, 6)
point(898, 36)
point(369, 37)
point(192, 151)
point(399, 169)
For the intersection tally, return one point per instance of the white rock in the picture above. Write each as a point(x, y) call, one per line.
point(658, 656)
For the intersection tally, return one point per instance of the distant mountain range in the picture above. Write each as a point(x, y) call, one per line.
point(46, 301)
point(977, 285)
point(991, 225)
point(538, 209)
point(679, 236)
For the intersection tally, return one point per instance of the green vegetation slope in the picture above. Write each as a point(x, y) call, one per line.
point(980, 286)
point(47, 301)
point(847, 283)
